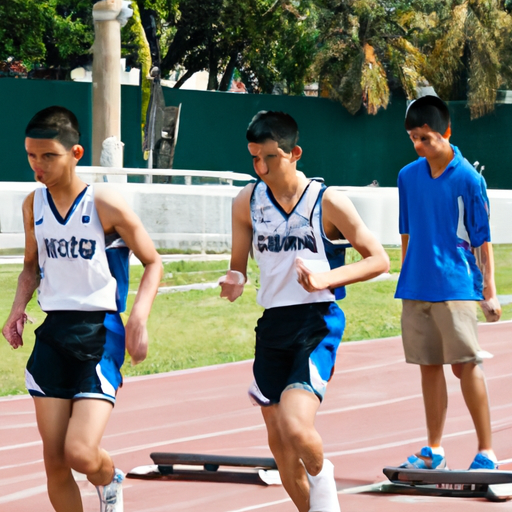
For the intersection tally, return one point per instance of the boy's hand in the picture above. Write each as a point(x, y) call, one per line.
point(136, 340)
point(491, 309)
point(309, 280)
point(232, 285)
point(13, 330)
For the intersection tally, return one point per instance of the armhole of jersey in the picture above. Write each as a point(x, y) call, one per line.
point(88, 206)
point(38, 205)
point(253, 191)
point(315, 194)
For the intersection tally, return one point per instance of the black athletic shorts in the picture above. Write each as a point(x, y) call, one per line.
point(296, 348)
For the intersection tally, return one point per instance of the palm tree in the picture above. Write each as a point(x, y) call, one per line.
point(368, 47)
point(470, 53)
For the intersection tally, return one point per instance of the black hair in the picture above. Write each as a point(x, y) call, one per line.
point(57, 123)
point(429, 110)
point(276, 126)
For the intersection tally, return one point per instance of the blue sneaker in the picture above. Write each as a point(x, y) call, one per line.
point(425, 460)
point(481, 461)
point(111, 495)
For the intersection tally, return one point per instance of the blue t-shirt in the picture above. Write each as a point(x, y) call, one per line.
point(444, 217)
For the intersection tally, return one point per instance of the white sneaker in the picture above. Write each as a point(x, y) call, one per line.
point(111, 495)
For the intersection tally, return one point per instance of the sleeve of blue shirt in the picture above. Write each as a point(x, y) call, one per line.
point(403, 220)
point(477, 212)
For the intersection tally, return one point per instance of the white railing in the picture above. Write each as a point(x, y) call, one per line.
point(227, 177)
point(198, 217)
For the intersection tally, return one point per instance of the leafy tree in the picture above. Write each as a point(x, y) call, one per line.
point(267, 41)
point(359, 50)
point(471, 54)
point(276, 43)
point(52, 33)
point(368, 47)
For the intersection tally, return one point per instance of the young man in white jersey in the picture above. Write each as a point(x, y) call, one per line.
point(291, 222)
point(74, 370)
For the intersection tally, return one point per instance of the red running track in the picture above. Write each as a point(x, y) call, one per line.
point(372, 417)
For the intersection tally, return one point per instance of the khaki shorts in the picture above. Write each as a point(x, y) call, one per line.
point(440, 332)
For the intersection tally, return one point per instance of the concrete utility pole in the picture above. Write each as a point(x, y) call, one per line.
point(109, 16)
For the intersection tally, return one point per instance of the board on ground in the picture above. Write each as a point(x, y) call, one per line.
point(215, 468)
point(495, 485)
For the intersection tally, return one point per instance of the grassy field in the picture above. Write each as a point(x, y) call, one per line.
point(197, 328)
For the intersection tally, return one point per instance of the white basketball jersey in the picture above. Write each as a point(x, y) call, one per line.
point(74, 270)
point(279, 238)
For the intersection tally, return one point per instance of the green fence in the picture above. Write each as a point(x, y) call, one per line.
point(344, 149)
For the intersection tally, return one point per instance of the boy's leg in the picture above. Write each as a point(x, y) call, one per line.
point(435, 399)
point(86, 427)
point(295, 443)
point(291, 470)
point(474, 391)
point(52, 416)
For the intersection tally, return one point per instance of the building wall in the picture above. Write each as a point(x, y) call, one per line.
point(346, 150)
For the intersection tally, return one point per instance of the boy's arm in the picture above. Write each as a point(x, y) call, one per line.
point(116, 215)
point(485, 261)
point(405, 244)
point(232, 284)
point(339, 214)
point(28, 280)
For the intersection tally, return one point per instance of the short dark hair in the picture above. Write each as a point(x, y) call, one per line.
point(276, 126)
point(429, 110)
point(57, 123)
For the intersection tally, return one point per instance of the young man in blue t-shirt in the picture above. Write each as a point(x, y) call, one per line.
point(444, 223)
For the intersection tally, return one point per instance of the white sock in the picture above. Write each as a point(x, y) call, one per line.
point(323, 496)
point(490, 455)
point(438, 450)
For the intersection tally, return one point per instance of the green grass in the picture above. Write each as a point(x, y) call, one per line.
point(198, 328)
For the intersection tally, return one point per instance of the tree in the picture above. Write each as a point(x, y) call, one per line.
point(53, 33)
point(359, 50)
point(368, 47)
point(365, 50)
point(268, 41)
point(471, 55)
point(276, 42)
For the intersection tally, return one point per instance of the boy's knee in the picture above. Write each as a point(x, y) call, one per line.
point(55, 463)
point(296, 433)
point(469, 370)
point(82, 458)
point(457, 370)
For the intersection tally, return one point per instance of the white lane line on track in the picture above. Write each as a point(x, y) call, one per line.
point(402, 442)
point(12, 398)
point(22, 445)
point(185, 439)
point(261, 505)
point(15, 496)
point(178, 373)
point(19, 425)
point(368, 405)
point(377, 486)
point(370, 367)
point(29, 463)
point(23, 478)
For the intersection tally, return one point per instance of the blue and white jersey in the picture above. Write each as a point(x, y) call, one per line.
point(280, 237)
point(444, 217)
point(73, 265)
